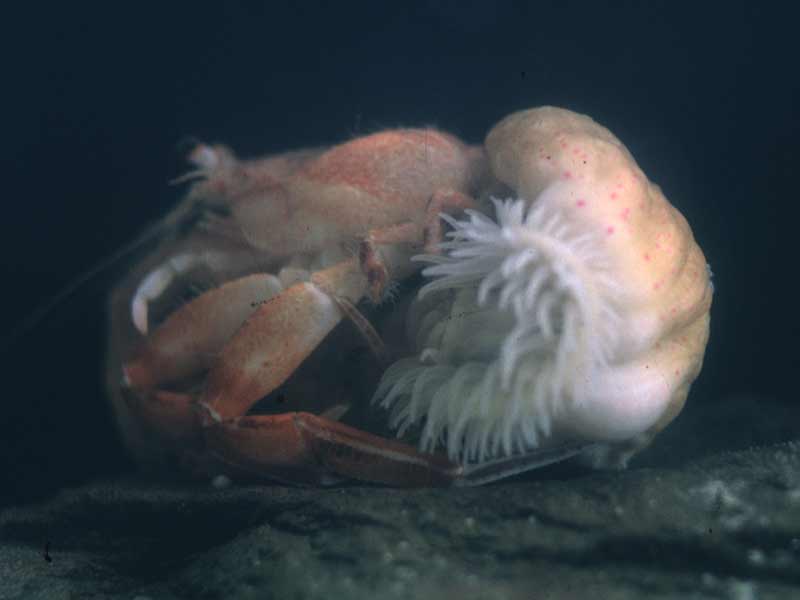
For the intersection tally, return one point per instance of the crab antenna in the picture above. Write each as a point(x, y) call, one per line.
point(29, 323)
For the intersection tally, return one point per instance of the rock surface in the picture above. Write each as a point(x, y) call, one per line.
point(727, 526)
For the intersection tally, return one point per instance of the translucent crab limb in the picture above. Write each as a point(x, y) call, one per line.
point(481, 473)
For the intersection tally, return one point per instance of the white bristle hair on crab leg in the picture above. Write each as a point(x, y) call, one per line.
point(576, 312)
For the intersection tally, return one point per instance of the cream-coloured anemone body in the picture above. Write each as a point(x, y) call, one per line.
point(578, 310)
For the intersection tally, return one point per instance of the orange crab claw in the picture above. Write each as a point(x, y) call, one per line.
point(189, 340)
point(304, 448)
point(278, 337)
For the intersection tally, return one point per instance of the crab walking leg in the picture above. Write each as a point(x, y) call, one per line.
point(302, 447)
point(384, 241)
point(395, 244)
point(189, 340)
point(508, 466)
point(278, 337)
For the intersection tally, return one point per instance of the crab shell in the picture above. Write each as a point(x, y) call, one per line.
point(579, 312)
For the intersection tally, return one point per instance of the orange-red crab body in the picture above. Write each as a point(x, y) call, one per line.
point(571, 319)
point(285, 247)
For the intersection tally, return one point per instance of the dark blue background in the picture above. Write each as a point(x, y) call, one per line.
point(95, 98)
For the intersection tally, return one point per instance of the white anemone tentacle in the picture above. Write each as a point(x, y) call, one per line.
point(554, 278)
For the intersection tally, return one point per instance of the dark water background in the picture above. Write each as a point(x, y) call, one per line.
point(95, 97)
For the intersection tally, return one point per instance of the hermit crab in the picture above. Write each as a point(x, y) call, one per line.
point(274, 253)
point(569, 319)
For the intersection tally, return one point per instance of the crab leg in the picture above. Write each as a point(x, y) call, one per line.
point(304, 448)
point(508, 466)
point(278, 337)
point(188, 341)
point(399, 242)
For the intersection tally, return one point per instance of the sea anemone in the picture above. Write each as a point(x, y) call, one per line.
point(578, 313)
